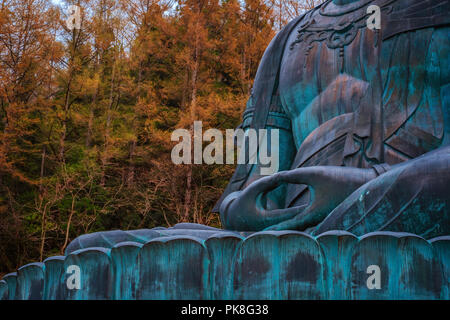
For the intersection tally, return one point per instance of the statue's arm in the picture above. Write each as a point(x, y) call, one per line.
point(441, 40)
point(281, 151)
point(262, 113)
point(238, 207)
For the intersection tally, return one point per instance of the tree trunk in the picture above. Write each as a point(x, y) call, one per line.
point(105, 156)
point(193, 107)
point(91, 118)
point(130, 178)
point(42, 169)
point(66, 240)
point(43, 231)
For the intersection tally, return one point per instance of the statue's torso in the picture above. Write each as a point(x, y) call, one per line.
point(325, 74)
point(344, 95)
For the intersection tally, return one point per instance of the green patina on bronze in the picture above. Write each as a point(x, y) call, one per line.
point(362, 106)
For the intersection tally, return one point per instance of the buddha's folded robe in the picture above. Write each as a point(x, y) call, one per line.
point(411, 197)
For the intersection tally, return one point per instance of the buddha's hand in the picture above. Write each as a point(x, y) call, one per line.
point(329, 186)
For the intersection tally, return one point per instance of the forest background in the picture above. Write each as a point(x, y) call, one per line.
point(86, 115)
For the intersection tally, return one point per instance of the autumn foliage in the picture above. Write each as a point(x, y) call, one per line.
point(86, 115)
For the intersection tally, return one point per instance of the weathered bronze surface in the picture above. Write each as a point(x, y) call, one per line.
point(359, 103)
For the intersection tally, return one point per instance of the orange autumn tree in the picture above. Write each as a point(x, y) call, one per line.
point(28, 51)
point(86, 115)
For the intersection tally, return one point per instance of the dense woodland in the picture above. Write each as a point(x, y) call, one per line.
point(86, 115)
